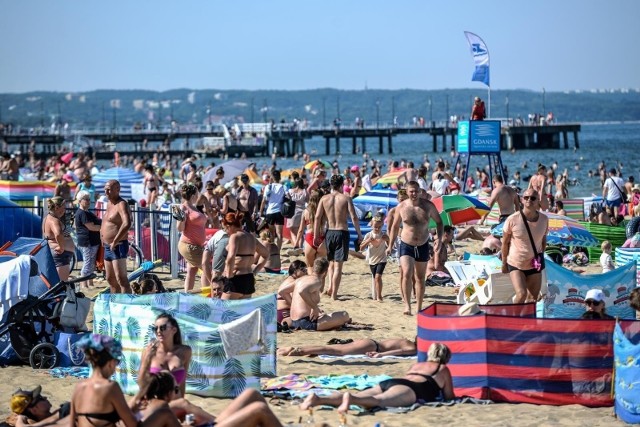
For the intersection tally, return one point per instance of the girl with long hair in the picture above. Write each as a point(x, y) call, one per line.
point(311, 251)
point(193, 239)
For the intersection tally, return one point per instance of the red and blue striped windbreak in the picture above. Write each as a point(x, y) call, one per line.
point(508, 355)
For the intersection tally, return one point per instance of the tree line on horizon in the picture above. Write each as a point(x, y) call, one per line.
point(107, 108)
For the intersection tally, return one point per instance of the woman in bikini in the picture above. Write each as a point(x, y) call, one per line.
point(193, 239)
point(368, 346)
point(239, 269)
point(168, 353)
point(202, 202)
point(214, 221)
point(311, 251)
point(151, 185)
point(425, 382)
point(98, 401)
point(272, 263)
point(58, 235)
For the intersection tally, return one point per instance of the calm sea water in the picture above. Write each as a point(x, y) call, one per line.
point(617, 145)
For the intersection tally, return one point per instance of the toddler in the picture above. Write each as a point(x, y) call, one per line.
point(605, 259)
point(377, 242)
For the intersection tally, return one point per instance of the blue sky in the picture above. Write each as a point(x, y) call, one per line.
point(80, 45)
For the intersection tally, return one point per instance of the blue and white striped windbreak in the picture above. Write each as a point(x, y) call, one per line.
point(126, 177)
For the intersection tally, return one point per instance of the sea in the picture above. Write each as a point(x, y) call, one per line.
point(614, 144)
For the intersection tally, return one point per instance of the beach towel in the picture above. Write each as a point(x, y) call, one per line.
point(627, 377)
point(14, 281)
point(362, 356)
point(241, 334)
point(566, 290)
point(211, 373)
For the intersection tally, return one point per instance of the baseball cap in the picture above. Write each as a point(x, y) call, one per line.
point(22, 399)
point(595, 295)
point(355, 168)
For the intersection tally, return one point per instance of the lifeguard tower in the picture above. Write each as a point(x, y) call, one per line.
point(480, 137)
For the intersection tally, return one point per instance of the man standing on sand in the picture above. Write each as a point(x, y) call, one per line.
point(334, 207)
point(415, 213)
point(305, 313)
point(506, 197)
point(114, 233)
point(538, 183)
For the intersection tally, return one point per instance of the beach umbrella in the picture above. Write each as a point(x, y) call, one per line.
point(125, 177)
point(562, 231)
point(390, 178)
point(459, 208)
point(232, 169)
point(315, 163)
point(254, 178)
point(66, 158)
point(386, 198)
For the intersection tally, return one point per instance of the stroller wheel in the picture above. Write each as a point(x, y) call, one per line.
point(44, 356)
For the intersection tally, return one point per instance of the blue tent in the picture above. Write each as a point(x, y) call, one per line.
point(17, 221)
point(126, 177)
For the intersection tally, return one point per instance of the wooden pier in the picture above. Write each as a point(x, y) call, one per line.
point(286, 140)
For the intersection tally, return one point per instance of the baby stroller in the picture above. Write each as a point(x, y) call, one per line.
point(32, 322)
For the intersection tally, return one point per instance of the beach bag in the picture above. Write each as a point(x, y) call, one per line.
point(537, 263)
point(288, 208)
point(625, 198)
point(74, 310)
point(70, 354)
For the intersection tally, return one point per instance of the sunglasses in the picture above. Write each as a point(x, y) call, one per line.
point(210, 189)
point(161, 328)
point(532, 198)
point(591, 302)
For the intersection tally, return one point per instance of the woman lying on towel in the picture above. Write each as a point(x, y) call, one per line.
point(167, 353)
point(370, 347)
point(425, 382)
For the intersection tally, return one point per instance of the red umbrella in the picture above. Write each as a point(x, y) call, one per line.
point(66, 158)
point(459, 208)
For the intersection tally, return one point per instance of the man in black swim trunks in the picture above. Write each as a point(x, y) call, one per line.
point(335, 207)
point(415, 214)
point(305, 313)
point(30, 407)
point(506, 197)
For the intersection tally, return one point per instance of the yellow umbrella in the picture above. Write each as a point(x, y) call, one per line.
point(253, 176)
point(315, 163)
point(390, 178)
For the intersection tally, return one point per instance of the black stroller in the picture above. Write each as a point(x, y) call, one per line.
point(32, 322)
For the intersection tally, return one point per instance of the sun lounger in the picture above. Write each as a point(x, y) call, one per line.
point(489, 286)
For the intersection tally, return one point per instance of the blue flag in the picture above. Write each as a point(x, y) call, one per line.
point(480, 55)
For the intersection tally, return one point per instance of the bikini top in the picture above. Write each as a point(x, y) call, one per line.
point(111, 417)
point(179, 374)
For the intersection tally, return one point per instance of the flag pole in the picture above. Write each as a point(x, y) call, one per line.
point(489, 104)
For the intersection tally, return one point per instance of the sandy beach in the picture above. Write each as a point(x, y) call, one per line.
point(387, 321)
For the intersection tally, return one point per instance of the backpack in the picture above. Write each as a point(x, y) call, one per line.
point(288, 208)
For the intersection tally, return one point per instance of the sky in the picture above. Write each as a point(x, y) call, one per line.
point(80, 45)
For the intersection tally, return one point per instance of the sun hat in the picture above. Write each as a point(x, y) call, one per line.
point(594, 294)
point(469, 309)
point(22, 399)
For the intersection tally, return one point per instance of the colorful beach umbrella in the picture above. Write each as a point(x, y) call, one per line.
point(379, 197)
point(390, 178)
point(315, 163)
point(459, 208)
point(562, 231)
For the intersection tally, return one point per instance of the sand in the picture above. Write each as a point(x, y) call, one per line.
point(388, 322)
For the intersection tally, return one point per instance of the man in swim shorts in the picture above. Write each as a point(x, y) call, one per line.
point(335, 207)
point(506, 198)
point(413, 251)
point(305, 313)
point(114, 233)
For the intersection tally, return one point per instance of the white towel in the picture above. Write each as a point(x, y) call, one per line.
point(14, 281)
point(243, 333)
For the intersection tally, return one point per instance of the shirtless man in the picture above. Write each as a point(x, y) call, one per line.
point(415, 213)
point(335, 207)
point(114, 233)
point(248, 203)
point(367, 346)
point(538, 183)
point(305, 313)
point(10, 168)
point(411, 174)
point(506, 197)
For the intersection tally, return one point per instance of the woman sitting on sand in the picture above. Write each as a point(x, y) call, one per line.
point(426, 382)
point(368, 346)
point(167, 353)
point(297, 269)
point(272, 263)
point(98, 400)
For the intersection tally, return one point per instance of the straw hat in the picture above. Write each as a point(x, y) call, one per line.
point(636, 187)
point(469, 309)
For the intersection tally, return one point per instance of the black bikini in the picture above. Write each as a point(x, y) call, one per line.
point(427, 390)
point(112, 417)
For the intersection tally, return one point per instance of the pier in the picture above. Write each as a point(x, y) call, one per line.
point(284, 139)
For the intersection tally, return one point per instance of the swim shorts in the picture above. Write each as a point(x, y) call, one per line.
point(274, 219)
point(419, 253)
point(244, 284)
point(120, 252)
point(63, 259)
point(377, 268)
point(337, 242)
point(613, 203)
point(305, 323)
